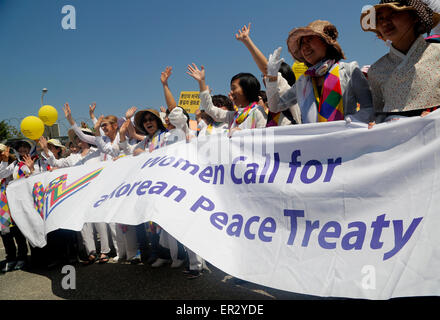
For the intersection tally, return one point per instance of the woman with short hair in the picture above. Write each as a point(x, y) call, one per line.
point(244, 93)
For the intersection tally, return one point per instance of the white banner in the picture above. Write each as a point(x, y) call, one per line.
point(322, 209)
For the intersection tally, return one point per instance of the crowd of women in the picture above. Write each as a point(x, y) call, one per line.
point(403, 83)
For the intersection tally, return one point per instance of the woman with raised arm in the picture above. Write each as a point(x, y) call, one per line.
point(107, 144)
point(148, 123)
point(169, 98)
point(406, 81)
point(285, 80)
point(245, 90)
point(330, 90)
point(206, 124)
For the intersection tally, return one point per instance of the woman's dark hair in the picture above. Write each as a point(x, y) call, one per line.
point(263, 96)
point(22, 143)
point(206, 117)
point(333, 54)
point(220, 100)
point(250, 85)
point(287, 73)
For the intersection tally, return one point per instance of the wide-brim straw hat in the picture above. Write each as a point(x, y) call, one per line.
point(428, 18)
point(30, 143)
point(56, 143)
point(72, 135)
point(324, 29)
point(139, 120)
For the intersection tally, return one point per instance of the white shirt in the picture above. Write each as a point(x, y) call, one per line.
point(107, 148)
point(72, 160)
point(354, 87)
point(257, 118)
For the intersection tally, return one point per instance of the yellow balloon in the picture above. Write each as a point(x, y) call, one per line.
point(32, 127)
point(48, 114)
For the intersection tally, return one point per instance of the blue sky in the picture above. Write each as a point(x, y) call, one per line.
point(119, 48)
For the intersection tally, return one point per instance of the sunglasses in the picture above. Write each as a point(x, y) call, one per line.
point(149, 119)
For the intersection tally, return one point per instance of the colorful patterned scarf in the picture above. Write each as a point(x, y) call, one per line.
point(328, 102)
point(22, 171)
point(156, 142)
point(273, 119)
point(433, 39)
point(5, 215)
point(240, 117)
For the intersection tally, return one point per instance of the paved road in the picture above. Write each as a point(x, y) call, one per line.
point(133, 282)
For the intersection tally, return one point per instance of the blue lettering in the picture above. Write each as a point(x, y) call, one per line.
point(234, 229)
point(167, 161)
point(377, 226)
point(332, 164)
point(294, 165)
point(100, 201)
point(203, 203)
point(399, 239)
point(179, 197)
point(293, 214)
point(219, 220)
point(234, 163)
point(267, 226)
point(143, 188)
point(305, 171)
point(359, 235)
point(123, 190)
point(310, 226)
point(325, 233)
point(247, 231)
point(206, 173)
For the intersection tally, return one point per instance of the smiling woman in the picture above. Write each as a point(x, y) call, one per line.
point(330, 90)
point(245, 91)
point(406, 81)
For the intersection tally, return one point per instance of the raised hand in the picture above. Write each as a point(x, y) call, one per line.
point(165, 75)
point(29, 162)
point(98, 125)
point(68, 114)
point(130, 112)
point(43, 143)
point(123, 129)
point(243, 34)
point(274, 63)
point(92, 108)
point(197, 74)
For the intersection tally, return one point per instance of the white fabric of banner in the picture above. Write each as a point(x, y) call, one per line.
point(330, 209)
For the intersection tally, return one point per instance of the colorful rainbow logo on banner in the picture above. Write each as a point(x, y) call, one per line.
point(46, 200)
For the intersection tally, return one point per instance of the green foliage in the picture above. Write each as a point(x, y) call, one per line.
point(7, 131)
